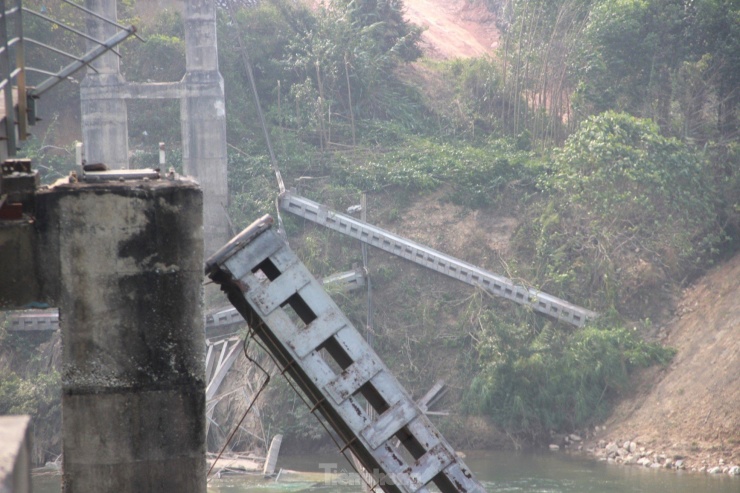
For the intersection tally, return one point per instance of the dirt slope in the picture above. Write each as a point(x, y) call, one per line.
point(692, 408)
point(453, 28)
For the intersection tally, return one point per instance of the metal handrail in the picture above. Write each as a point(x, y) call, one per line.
point(9, 72)
point(18, 99)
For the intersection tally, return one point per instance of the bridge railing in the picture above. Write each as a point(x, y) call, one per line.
point(17, 99)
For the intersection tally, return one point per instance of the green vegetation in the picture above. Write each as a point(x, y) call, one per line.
point(535, 381)
point(594, 143)
point(37, 396)
point(610, 128)
point(627, 211)
point(29, 386)
point(474, 174)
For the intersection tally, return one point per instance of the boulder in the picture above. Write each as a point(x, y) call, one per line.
point(644, 461)
point(632, 447)
point(715, 470)
point(611, 449)
point(554, 447)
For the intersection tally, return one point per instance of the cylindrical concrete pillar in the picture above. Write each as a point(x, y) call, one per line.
point(133, 401)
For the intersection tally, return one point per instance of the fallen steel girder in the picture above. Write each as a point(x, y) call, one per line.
point(314, 343)
point(435, 260)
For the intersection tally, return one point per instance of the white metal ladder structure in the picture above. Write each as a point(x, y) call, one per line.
point(220, 357)
point(329, 360)
point(435, 260)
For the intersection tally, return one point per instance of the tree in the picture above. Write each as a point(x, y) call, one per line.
point(395, 36)
point(632, 50)
point(641, 56)
point(714, 38)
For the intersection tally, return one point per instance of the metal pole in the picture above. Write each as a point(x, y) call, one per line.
point(20, 63)
point(8, 88)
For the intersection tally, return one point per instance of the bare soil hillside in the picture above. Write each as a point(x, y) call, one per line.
point(454, 28)
point(692, 408)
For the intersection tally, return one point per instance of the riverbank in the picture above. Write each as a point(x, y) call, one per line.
point(686, 416)
point(632, 453)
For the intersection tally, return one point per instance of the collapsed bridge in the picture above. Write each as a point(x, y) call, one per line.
point(315, 344)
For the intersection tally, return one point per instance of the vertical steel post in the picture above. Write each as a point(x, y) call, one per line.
point(5, 72)
point(20, 63)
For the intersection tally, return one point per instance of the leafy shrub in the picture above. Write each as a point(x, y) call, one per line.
point(479, 103)
point(629, 210)
point(252, 187)
point(533, 381)
point(53, 162)
point(29, 396)
point(475, 175)
point(725, 159)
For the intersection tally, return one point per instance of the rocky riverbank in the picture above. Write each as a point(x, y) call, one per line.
point(633, 453)
point(685, 416)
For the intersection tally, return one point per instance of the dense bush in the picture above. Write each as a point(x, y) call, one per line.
point(533, 381)
point(474, 175)
point(628, 210)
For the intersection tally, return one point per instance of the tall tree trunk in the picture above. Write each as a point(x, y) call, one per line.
point(349, 98)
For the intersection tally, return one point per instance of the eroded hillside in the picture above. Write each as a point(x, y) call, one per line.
point(690, 409)
point(457, 28)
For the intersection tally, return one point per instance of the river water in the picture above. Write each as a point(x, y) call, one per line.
point(499, 471)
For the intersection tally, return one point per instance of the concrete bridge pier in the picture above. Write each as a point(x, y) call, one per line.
point(203, 119)
point(130, 304)
point(202, 110)
point(104, 114)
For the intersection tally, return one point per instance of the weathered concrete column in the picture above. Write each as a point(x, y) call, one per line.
point(203, 118)
point(130, 304)
point(15, 454)
point(104, 116)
